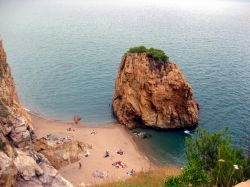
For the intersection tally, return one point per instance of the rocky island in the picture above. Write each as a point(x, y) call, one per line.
point(151, 90)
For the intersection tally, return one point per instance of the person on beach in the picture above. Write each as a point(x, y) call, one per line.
point(80, 165)
point(120, 152)
point(131, 173)
point(106, 154)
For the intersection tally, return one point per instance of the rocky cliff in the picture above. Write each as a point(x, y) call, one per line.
point(20, 164)
point(153, 94)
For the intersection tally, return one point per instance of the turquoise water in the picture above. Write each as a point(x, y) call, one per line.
point(65, 55)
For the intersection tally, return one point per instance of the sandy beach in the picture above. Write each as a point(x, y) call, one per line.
point(111, 138)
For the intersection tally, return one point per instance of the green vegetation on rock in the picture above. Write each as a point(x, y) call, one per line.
point(158, 55)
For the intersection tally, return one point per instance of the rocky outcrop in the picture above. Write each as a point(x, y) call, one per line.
point(60, 151)
point(20, 164)
point(153, 94)
point(15, 122)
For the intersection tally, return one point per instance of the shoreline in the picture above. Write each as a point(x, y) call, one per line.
point(80, 123)
point(111, 137)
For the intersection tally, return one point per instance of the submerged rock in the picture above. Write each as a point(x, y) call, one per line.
point(153, 94)
point(142, 135)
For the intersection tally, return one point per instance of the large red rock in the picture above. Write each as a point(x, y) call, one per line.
point(152, 94)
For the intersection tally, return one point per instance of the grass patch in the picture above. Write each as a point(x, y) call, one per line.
point(155, 178)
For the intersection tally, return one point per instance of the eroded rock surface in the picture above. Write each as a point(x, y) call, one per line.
point(154, 95)
point(20, 164)
point(60, 151)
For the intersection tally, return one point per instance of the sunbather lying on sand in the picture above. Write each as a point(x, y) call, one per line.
point(120, 152)
point(119, 164)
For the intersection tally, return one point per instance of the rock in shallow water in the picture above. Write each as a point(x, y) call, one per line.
point(155, 95)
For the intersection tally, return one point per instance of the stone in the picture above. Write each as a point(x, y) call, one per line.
point(7, 170)
point(60, 151)
point(153, 95)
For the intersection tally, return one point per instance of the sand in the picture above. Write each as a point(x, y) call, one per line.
point(111, 138)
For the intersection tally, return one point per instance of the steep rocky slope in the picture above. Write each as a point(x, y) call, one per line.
point(156, 95)
point(20, 164)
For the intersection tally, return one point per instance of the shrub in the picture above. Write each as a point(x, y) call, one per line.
point(192, 174)
point(174, 181)
point(138, 49)
point(212, 160)
point(158, 55)
point(204, 147)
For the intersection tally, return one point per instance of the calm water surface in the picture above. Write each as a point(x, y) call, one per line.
point(65, 55)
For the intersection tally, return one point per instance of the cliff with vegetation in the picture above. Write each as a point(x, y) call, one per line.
point(20, 164)
point(151, 90)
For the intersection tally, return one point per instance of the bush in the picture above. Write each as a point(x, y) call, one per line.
point(192, 174)
point(138, 49)
point(204, 147)
point(158, 55)
point(212, 160)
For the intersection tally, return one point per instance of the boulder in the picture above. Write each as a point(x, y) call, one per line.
point(59, 151)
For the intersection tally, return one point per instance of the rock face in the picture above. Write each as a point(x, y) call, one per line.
point(15, 122)
point(152, 94)
point(60, 151)
point(20, 164)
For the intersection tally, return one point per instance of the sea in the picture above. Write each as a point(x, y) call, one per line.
point(64, 56)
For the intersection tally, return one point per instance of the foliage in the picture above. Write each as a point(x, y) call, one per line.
point(175, 181)
point(158, 55)
point(204, 147)
point(192, 174)
point(212, 160)
point(138, 49)
point(228, 170)
point(246, 166)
